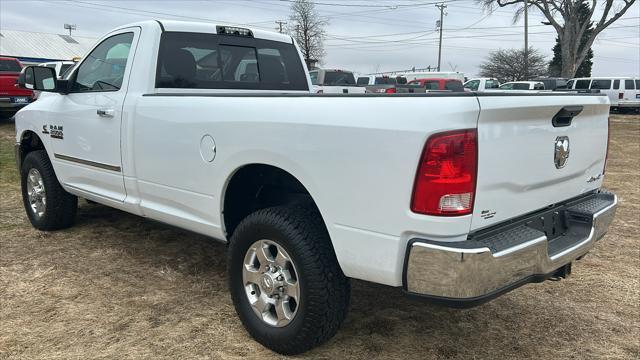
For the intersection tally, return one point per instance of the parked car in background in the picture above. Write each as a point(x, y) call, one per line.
point(442, 84)
point(413, 75)
point(334, 81)
point(379, 84)
point(12, 98)
point(552, 83)
point(481, 84)
point(60, 67)
point(522, 85)
point(623, 92)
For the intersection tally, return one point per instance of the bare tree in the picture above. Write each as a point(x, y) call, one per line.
point(307, 27)
point(508, 65)
point(566, 18)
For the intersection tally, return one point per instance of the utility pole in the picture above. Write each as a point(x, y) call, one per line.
point(526, 40)
point(280, 27)
point(441, 7)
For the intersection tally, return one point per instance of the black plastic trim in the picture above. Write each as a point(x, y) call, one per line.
point(161, 26)
point(88, 162)
point(305, 94)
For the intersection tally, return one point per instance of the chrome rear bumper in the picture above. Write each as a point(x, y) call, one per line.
point(471, 272)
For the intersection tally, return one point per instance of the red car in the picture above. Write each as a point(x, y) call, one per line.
point(439, 84)
point(12, 98)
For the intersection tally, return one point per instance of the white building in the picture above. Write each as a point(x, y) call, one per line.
point(36, 47)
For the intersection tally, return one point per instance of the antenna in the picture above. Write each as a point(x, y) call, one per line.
point(70, 27)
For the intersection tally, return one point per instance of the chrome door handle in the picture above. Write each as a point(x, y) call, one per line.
point(105, 112)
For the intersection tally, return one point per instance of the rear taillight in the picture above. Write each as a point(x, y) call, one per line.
point(446, 179)
point(620, 96)
point(606, 156)
point(390, 91)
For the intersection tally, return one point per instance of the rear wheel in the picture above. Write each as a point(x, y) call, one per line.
point(285, 281)
point(48, 205)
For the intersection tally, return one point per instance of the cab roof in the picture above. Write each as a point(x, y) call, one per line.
point(207, 28)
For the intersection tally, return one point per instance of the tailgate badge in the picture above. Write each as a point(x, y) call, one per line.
point(561, 153)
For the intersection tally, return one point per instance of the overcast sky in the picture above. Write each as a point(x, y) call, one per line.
point(362, 35)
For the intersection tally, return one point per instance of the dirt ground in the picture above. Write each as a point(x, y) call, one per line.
point(119, 286)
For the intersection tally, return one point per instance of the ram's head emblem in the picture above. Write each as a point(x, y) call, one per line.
point(561, 151)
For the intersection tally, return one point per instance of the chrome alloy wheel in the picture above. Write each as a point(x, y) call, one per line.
point(36, 193)
point(271, 283)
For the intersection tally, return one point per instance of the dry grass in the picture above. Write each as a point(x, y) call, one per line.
point(119, 286)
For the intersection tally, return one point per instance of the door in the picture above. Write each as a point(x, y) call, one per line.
point(87, 142)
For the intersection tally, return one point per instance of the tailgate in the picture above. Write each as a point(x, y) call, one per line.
point(518, 146)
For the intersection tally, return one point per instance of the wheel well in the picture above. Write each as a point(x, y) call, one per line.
point(258, 186)
point(28, 143)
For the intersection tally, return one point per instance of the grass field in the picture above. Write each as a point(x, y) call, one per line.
point(119, 286)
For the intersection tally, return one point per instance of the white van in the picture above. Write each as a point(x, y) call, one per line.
point(623, 92)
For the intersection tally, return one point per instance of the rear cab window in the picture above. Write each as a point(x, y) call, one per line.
point(385, 81)
point(491, 84)
point(212, 61)
point(338, 78)
point(521, 86)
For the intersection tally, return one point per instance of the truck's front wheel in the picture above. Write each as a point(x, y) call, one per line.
point(285, 281)
point(48, 205)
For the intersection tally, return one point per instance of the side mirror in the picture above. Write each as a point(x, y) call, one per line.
point(39, 78)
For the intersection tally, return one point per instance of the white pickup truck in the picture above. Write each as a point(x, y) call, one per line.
point(451, 197)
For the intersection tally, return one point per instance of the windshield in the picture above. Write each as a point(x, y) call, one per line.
point(338, 78)
point(9, 66)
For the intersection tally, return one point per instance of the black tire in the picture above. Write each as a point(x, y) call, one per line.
point(60, 207)
point(324, 290)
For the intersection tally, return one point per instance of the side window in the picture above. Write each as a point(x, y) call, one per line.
point(637, 84)
point(210, 61)
point(582, 84)
point(431, 85)
point(314, 77)
point(570, 84)
point(472, 85)
point(491, 84)
point(103, 69)
point(453, 86)
point(363, 81)
point(616, 84)
point(601, 84)
point(628, 84)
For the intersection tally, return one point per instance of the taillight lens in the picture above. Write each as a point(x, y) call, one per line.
point(390, 91)
point(446, 180)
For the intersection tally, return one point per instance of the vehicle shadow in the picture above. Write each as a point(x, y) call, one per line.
point(382, 323)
